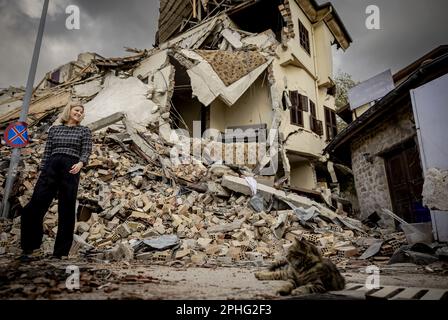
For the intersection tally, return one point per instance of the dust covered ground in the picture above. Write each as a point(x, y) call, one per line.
point(46, 279)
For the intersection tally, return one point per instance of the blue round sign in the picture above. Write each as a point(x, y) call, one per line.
point(16, 135)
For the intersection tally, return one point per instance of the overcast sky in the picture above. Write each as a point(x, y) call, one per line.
point(409, 29)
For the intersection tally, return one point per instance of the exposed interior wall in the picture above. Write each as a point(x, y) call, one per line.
point(189, 110)
point(303, 175)
point(254, 107)
point(268, 17)
point(370, 178)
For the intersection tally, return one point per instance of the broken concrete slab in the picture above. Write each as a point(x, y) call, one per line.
point(234, 38)
point(217, 189)
point(122, 95)
point(207, 86)
point(226, 227)
point(102, 123)
point(157, 243)
point(263, 40)
point(88, 89)
point(240, 185)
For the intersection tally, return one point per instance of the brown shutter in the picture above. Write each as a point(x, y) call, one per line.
point(319, 127)
point(327, 116)
point(294, 115)
point(294, 97)
point(300, 118)
point(313, 109)
point(303, 103)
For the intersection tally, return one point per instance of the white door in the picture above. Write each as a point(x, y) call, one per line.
point(430, 106)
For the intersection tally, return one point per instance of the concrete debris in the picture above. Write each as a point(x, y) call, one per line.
point(419, 254)
point(372, 250)
point(142, 198)
point(435, 189)
point(121, 252)
point(129, 220)
point(117, 92)
point(157, 243)
point(207, 84)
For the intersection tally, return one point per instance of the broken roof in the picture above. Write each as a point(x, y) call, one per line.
point(328, 13)
point(176, 16)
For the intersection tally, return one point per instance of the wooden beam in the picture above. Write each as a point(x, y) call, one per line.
point(104, 122)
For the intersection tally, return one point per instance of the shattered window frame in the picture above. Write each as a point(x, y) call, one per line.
point(315, 124)
point(331, 127)
point(299, 104)
point(304, 36)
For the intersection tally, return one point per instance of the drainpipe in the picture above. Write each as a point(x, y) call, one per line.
point(319, 106)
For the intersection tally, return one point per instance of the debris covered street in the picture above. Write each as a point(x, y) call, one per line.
point(217, 150)
point(46, 280)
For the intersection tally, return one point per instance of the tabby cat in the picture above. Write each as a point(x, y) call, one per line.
point(305, 271)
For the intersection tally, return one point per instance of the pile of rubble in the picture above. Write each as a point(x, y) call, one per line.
point(138, 199)
point(133, 207)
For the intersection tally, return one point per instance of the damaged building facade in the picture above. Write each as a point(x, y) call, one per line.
point(217, 78)
point(395, 146)
point(242, 85)
point(274, 72)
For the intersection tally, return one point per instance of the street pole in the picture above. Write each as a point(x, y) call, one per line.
point(15, 156)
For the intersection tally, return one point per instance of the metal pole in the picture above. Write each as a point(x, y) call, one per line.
point(15, 156)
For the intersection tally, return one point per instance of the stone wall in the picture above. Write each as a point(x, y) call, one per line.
point(368, 165)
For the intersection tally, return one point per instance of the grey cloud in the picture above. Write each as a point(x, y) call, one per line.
point(106, 27)
point(410, 28)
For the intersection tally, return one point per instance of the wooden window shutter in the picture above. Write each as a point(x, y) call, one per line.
point(294, 97)
point(303, 103)
point(313, 109)
point(319, 127)
point(293, 115)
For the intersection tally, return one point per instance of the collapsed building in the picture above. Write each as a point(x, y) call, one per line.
point(208, 148)
point(239, 81)
point(215, 137)
point(273, 73)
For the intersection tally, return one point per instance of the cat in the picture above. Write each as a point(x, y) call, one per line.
point(305, 271)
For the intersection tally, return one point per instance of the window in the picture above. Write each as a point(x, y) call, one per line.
point(330, 123)
point(316, 125)
point(299, 104)
point(304, 37)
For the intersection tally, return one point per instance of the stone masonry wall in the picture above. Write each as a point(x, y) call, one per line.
point(370, 178)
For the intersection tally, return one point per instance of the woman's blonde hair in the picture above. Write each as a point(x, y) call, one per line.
point(65, 114)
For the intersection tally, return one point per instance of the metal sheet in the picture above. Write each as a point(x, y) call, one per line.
point(431, 116)
point(371, 90)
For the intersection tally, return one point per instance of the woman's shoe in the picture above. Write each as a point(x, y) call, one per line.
point(30, 255)
point(27, 258)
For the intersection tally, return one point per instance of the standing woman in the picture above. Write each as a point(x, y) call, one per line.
point(67, 150)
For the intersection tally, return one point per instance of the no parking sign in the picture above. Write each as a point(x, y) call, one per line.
point(16, 135)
